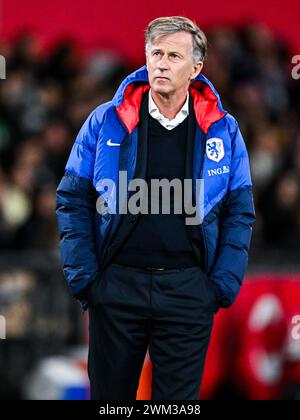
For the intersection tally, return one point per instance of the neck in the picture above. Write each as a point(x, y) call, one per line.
point(169, 104)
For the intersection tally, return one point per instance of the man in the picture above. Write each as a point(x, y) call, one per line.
point(156, 280)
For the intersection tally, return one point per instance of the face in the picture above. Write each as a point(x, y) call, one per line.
point(170, 63)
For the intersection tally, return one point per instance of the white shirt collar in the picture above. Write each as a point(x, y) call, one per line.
point(168, 124)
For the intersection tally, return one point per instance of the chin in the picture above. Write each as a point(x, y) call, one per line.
point(159, 88)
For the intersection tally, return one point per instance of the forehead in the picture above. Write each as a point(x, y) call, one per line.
point(178, 41)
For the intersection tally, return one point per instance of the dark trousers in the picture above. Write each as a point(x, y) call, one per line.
point(132, 309)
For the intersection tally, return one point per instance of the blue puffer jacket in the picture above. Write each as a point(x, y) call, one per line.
point(220, 159)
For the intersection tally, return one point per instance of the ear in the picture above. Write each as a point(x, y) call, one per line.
point(197, 67)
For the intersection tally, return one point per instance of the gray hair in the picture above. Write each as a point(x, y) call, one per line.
point(168, 25)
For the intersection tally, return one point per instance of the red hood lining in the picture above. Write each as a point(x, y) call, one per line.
point(204, 99)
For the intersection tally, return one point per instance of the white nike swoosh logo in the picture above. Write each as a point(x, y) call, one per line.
point(110, 143)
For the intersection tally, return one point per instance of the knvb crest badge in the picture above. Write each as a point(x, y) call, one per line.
point(215, 149)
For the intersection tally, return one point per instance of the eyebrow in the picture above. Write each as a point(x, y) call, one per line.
point(171, 52)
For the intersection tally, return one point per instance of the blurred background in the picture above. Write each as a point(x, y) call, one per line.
point(64, 58)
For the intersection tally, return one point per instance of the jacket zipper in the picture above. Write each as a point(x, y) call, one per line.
point(108, 243)
point(202, 229)
point(201, 174)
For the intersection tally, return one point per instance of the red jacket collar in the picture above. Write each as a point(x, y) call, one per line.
point(204, 99)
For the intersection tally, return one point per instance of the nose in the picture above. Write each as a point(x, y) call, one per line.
point(163, 64)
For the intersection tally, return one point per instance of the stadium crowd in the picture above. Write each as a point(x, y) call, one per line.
point(46, 96)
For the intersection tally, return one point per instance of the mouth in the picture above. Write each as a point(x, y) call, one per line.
point(162, 78)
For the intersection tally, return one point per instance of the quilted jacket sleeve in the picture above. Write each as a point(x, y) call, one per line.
point(236, 220)
point(75, 209)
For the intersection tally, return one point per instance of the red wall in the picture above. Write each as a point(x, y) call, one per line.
point(120, 25)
